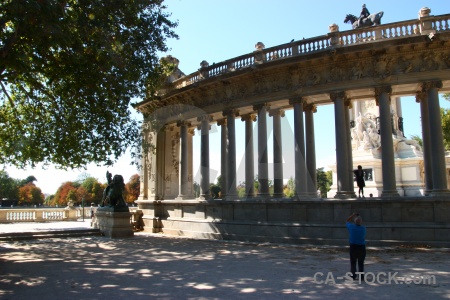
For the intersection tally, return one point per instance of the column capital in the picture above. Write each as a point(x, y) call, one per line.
point(276, 111)
point(338, 95)
point(380, 90)
point(205, 117)
point(383, 89)
point(183, 123)
point(261, 106)
point(348, 102)
point(230, 111)
point(426, 86)
point(249, 117)
point(297, 100)
point(310, 107)
point(222, 122)
point(421, 96)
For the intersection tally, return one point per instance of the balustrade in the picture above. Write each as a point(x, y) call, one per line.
point(396, 30)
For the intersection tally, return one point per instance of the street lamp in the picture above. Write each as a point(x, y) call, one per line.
point(82, 206)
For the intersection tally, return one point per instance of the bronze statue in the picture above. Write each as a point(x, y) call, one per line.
point(113, 194)
point(364, 20)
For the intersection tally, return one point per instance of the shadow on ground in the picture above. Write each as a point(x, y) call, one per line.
point(159, 267)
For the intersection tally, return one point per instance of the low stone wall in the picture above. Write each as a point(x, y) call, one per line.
point(404, 220)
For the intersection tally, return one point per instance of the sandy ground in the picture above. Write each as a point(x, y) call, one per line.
point(160, 267)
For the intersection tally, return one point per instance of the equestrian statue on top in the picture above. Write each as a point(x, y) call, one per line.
point(365, 18)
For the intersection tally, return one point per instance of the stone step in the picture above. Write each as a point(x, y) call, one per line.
point(16, 236)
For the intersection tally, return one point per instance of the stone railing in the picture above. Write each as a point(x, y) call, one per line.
point(59, 214)
point(423, 26)
point(39, 214)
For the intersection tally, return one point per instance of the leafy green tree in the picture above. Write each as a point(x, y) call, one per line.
point(215, 190)
point(29, 179)
point(68, 72)
point(324, 181)
point(417, 138)
point(196, 189)
point(9, 187)
point(289, 189)
point(445, 119)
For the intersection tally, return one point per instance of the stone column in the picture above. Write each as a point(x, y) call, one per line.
point(437, 149)
point(277, 153)
point(144, 172)
point(311, 177)
point(205, 193)
point(191, 193)
point(421, 97)
point(342, 162)
point(263, 166)
point(231, 193)
point(183, 163)
point(299, 144)
point(351, 187)
point(223, 157)
point(249, 158)
point(382, 95)
point(160, 162)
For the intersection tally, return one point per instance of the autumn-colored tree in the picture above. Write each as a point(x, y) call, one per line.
point(132, 189)
point(61, 195)
point(29, 194)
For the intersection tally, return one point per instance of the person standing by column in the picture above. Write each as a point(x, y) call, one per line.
point(357, 241)
point(359, 174)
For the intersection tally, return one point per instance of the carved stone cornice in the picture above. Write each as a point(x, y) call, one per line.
point(249, 117)
point(366, 66)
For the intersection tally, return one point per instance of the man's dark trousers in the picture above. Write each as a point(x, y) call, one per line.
point(357, 253)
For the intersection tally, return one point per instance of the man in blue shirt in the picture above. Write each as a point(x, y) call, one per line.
point(357, 241)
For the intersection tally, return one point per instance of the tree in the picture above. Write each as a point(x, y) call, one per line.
point(29, 194)
point(196, 189)
point(9, 187)
point(289, 189)
point(324, 181)
point(62, 193)
point(417, 138)
point(68, 71)
point(445, 120)
point(132, 189)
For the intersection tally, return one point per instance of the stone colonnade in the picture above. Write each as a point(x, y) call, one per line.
point(157, 180)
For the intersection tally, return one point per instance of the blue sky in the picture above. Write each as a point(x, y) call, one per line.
point(217, 30)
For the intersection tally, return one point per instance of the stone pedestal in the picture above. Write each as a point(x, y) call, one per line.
point(113, 222)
